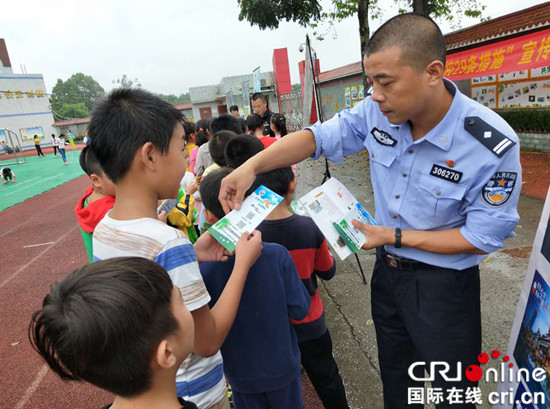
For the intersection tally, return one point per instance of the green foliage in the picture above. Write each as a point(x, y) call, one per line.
point(74, 111)
point(450, 10)
point(527, 120)
point(78, 89)
point(267, 13)
point(126, 82)
point(175, 100)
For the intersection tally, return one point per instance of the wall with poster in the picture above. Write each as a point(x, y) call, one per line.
point(517, 89)
point(27, 134)
point(529, 346)
point(341, 94)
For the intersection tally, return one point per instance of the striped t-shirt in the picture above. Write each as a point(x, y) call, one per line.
point(199, 380)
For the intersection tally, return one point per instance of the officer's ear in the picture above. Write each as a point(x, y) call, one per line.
point(435, 71)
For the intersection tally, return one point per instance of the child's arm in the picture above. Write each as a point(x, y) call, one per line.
point(297, 298)
point(324, 267)
point(212, 326)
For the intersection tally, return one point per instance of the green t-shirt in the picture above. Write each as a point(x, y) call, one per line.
point(88, 238)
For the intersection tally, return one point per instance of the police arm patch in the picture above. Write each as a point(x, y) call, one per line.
point(499, 188)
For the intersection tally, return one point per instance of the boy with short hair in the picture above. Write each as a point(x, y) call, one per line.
point(139, 141)
point(121, 325)
point(261, 355)
point(309, 251)
point(241, 148)
point(97, 200)
point(7, 176)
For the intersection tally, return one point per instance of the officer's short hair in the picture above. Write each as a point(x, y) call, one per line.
point(419, 37)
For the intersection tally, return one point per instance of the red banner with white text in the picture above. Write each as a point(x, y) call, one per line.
point(520, 53)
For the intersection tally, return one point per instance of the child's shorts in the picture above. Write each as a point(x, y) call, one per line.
point(289, 397)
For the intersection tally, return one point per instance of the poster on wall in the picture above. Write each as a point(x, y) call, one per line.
point(361, 91)
point(2, 136)
point(486, 96)
point(524, 94)
point(526, 372)
point(484, 80)
point(511, 76)
point(28, 133)
point(540, 72)
point(347, 95)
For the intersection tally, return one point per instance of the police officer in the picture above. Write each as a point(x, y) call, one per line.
point(446, 178)
point(259, 106)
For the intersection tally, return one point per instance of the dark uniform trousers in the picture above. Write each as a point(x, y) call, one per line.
point(424, 313)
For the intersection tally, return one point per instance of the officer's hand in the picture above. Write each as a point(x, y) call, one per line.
point(234, 187)
point(376, 236)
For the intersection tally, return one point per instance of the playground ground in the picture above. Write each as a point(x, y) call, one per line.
point(41, 243)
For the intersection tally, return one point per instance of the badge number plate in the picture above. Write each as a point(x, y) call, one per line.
point(450, 175)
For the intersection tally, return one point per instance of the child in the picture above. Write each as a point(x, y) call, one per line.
point(201, 139)
point(309, 250)
point(36, 140)
point(203, 159)
point(241, 148)
point(278, 125)
point(70, 137)
point(188, 203)
point(216, 147)
point(190, 137)
point(7, 176)
point(118, 324)
point(139, 141)
point(255, 125)
point(261, 356)
point(98, 199)
point(61, 147)
point(54, 144)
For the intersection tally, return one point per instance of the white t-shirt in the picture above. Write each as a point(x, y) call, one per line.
point(169, 247)
point(2, 173)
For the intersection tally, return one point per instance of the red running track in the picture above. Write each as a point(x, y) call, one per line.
point(41, 243)
point(26, 275)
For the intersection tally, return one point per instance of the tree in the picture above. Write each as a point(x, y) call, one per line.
point(79, 88)
point(74, 111)
point(175, 100)
point(127, 82)
point(266, 14)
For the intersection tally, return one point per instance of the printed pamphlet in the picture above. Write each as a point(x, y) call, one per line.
point(254, 210)
point(332, 207)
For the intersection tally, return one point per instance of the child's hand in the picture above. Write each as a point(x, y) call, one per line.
point(207, 248)
point(248, 248)
point(192, 187)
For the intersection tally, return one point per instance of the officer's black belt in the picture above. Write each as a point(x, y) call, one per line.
point(401, 263)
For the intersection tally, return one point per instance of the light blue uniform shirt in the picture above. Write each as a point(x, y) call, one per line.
point(408, 195)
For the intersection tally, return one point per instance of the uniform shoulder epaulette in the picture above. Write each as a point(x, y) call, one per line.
point(492, 139)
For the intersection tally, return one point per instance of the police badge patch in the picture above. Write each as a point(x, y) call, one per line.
point(382, 137)
point(499, 188)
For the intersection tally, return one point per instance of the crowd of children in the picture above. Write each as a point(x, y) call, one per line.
point(165, 317)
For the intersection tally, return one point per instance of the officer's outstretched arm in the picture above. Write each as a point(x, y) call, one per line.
point(291, 149)
point(441, 242)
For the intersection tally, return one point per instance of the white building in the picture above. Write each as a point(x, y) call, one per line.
point(24, 103)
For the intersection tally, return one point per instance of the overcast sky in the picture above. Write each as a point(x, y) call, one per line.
point(170, 45)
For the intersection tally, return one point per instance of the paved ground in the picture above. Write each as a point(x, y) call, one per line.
point(347, 300)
